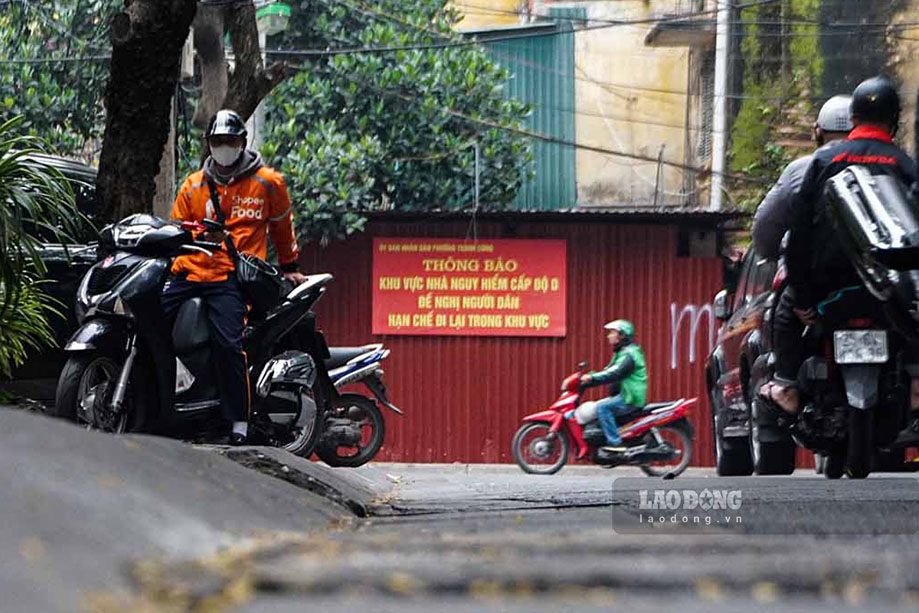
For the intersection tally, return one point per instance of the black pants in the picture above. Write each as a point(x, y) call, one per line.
point(226, 313)
point(787, 343)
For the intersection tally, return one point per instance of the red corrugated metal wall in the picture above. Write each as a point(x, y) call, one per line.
point(463, 396)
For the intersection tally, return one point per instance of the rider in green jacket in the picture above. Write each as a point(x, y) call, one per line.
point(627, 377)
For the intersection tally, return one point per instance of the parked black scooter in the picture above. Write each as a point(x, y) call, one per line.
point(128, 370)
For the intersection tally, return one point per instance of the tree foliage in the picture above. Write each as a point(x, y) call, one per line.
point(25, 328)
point(36, 200)
point(359, 132)
point(352, 133)
point(782, 70)
point(60, 101)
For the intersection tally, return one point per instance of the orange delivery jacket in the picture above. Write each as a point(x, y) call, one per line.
point(254, 205)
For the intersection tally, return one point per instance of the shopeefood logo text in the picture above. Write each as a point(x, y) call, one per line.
point(249, 207)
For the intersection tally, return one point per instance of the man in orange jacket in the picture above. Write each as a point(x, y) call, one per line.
point(255, 203)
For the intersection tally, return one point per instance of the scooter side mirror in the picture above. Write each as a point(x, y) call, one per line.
point(721, 305)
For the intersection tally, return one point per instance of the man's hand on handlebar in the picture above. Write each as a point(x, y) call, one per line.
point(295, 277)
point(215, 232)
point(215, 237)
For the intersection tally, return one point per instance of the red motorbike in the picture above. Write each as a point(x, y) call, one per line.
point(656, 438)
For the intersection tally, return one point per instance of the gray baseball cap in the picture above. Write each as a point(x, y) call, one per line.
point(834, 115)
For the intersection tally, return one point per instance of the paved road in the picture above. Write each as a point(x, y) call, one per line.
point(467, 538)
point(106, 523)
point(77, 507)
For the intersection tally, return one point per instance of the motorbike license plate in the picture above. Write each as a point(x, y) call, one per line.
point(860, 346)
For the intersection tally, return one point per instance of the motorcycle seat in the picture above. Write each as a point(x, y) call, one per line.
point(647, 410)
point(631, 415)
point(191, 329)
point(339, 356)
point(653, 406)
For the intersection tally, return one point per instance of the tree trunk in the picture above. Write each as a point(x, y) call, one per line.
point(213, 62)
point(147, 40)
point(242, 89)
point(165, 180)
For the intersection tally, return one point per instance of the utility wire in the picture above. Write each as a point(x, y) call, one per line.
point(682, 17)
point(544, 137)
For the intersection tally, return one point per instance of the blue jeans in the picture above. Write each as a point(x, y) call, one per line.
point(607, 410)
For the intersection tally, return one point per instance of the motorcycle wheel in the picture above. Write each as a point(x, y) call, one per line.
point(679, 437)
point(84, 376)
point(861, 443)
point(533, 449)
point(304, 442)
point(835, 465)
point(732, 455)
point(373, 419)
point(773, 457)
point(819, 463)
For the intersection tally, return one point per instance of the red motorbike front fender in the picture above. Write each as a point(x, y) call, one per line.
point(554, 418)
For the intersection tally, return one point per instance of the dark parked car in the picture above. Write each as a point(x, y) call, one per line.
point(735, 369)
point(37, 377)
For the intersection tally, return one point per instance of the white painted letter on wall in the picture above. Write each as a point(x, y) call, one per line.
point(694, 314)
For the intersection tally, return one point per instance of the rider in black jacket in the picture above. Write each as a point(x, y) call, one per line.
point(773, 215)
point(814, 259)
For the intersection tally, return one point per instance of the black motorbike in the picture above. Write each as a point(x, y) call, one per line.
point(129, 370)
point(865, 346)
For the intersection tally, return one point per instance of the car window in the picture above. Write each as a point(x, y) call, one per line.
point(82, 182)
point(767, 273)
point(87, 203)
point(760, 278)
point(740, 295)
point(85, 194)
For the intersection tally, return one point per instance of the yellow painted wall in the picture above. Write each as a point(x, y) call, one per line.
point(487, 13)
point(628, 98)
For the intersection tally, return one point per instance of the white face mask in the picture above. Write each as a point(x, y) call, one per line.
point(226, 155)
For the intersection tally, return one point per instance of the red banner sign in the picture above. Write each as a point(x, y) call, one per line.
point(485, 288)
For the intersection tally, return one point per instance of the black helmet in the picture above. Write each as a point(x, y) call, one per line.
point(875, 100)
point(226, 123)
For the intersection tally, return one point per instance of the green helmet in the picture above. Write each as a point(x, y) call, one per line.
point(623, 327)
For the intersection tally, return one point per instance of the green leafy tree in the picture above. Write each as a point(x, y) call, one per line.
point(60, 101)
point(359, 132)
point(36, 200)
point(782, 70)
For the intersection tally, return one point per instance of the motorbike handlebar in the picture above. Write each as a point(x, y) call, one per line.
point(213, 226)
point(208, 245)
